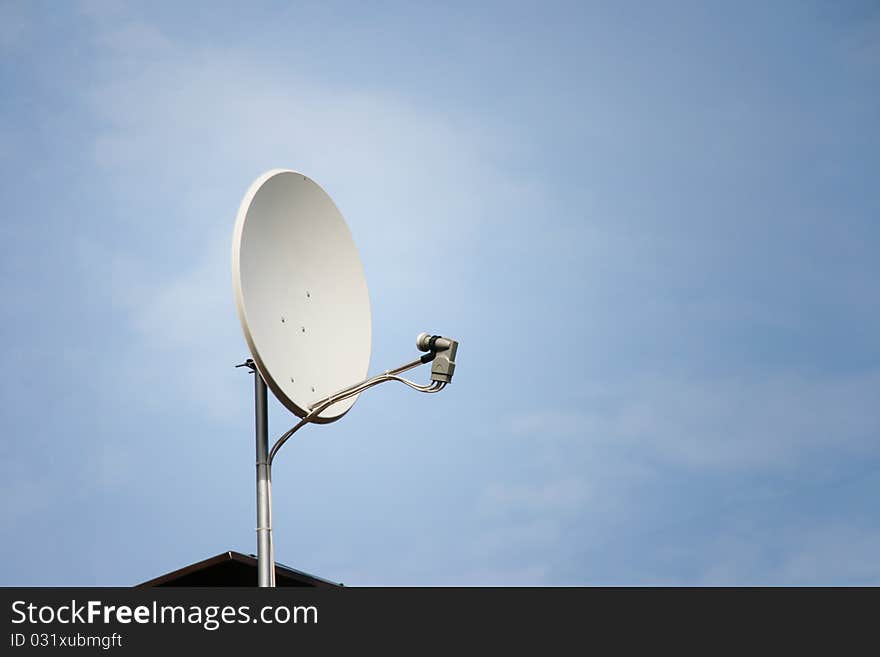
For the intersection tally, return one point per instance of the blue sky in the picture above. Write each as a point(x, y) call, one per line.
point(653, 229)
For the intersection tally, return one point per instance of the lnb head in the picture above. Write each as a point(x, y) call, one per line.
point(428, 342)
point(442, 352)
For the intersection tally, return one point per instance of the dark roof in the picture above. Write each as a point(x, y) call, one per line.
point(233, 569)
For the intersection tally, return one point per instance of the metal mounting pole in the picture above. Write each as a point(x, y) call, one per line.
point(265, 553)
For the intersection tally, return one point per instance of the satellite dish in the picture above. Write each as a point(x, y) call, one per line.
point(300, 292)
point(304, 308)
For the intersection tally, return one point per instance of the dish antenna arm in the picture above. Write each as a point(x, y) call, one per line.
point(441, 351)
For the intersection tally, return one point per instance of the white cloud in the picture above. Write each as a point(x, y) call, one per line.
point(136, 39)
point(771, 422)
point(835, 552)
point(189, 122)
point(549, 423)
point(550, 498)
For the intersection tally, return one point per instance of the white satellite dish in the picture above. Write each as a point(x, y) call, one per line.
point(300, 292)
point(304, 308)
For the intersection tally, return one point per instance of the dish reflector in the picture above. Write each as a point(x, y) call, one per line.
point(300, 292)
